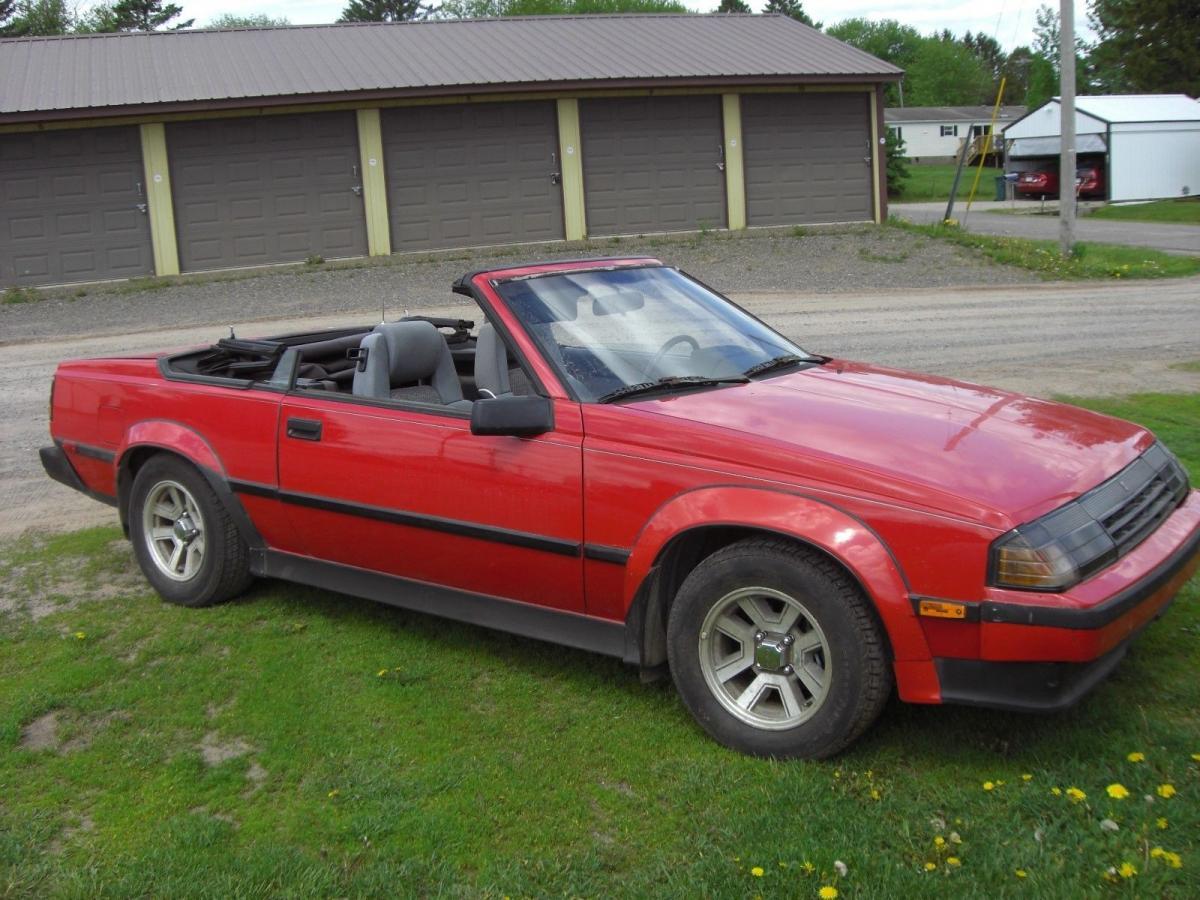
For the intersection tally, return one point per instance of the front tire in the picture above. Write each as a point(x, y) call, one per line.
point(185, 541)
point(776, 652)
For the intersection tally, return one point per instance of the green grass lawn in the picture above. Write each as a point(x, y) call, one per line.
point(1043, 257)
point(926, 183)
point(300, 743)
point(1182, 212)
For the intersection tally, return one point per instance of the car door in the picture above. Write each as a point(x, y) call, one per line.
point(408, 490)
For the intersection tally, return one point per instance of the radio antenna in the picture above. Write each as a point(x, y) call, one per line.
point(383, 311)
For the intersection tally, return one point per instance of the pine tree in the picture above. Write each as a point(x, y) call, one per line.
point(793, 8)
point(384, 11)
point(147, 15)
point(733, 6)
point(1147, 46)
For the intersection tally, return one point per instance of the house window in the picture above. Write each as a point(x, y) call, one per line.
point(897, 131)
point(949, 131)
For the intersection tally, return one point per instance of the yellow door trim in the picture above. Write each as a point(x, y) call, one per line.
point(374, 183)
point(876, 152)
point(735, 175)
point(159, 205)
point(570, 166)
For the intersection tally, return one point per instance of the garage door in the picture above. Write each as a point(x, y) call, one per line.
point(69, 207)
point(652, 164)
point(807, 158)
point(472, 175)
point(265, 190)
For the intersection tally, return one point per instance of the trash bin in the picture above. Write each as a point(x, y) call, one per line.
point(1001, 187)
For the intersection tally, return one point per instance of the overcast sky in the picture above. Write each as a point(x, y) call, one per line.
point(1010, 21)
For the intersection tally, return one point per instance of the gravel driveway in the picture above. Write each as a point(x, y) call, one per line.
point(819, 261)
point(927, 306)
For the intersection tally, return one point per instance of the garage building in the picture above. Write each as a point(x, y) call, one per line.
point(125, 155)
point(1148, 143)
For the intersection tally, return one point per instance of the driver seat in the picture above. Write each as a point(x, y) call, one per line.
point(408, 361)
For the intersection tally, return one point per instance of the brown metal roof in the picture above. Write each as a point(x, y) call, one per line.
point(42, 78)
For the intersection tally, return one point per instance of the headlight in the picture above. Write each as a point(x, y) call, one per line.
point(1067, 545)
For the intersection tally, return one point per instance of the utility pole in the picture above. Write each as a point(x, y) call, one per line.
point(1066, 162)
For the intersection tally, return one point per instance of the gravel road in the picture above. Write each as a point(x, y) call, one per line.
point(926, 311)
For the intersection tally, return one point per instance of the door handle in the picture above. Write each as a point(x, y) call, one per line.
point(141, 207)
point(357, 190)
point(304, 429)
point(556, 175)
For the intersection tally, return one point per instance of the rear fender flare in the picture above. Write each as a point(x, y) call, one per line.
point(184, 442)
point(807, 519)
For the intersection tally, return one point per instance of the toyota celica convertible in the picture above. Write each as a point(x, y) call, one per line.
point(622, 461)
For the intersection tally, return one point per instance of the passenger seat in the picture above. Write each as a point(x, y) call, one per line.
point(408, 361)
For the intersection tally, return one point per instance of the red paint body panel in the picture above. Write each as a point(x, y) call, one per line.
point(905, 479)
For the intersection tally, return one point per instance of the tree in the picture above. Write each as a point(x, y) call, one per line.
point(1043, 81)
point(147, 15)
point(99, 19)
point(33, 18)
point(1016, 72)
point(384, 11)
point(887, 39)
point(249, 20)
point(1046, 33)
point(989, 53)
point(482, 9)
point(793, 8)
point(1148, 46)
point(733, 6)
point(897, 162)
point(7, 9)
point(945, 73)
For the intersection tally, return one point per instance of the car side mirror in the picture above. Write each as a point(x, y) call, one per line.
point(513, 416)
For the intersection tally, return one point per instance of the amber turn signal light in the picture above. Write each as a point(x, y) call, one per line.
point(940, 609)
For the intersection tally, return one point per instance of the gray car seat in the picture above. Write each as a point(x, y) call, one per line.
point(408, 361)
point(492, 372)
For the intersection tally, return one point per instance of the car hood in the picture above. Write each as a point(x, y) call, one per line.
point(973, 450)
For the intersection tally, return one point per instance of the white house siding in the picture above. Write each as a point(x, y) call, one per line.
point(1154, 160)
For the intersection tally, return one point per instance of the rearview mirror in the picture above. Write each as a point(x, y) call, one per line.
point(513, 416)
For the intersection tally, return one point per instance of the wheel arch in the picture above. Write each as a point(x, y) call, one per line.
point(148, 440)
point(694, 525)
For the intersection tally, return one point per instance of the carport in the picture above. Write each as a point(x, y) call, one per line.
point(1149, 144)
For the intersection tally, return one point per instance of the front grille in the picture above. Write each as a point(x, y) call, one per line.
point(1134, 502)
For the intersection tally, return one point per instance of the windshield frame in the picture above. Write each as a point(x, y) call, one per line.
point(806, 360)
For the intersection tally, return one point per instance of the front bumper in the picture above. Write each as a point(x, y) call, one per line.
point(1041, 658)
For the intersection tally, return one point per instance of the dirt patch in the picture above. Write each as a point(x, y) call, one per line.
point(86, 729)
point(256, 775)
point(214, 751)
point(85, 825)
point(41, 733)
point(45, 587)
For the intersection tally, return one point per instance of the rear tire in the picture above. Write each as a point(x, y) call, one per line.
point(184, 539)
point(776, 652)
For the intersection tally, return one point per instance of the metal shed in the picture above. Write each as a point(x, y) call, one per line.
point(1150, 142)
point(162, 152)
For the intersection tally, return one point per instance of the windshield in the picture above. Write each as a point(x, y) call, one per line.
point(609, 330)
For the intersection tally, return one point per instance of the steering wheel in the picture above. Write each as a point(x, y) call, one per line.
point(662, 351)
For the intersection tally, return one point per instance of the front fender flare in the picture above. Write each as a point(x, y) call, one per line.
point(808, 519)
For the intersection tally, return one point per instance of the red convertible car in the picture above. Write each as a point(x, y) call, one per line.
point(620, 460)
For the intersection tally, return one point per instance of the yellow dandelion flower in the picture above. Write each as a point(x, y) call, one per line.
point(939, 842)
point(1076, 794)
point(1027, 777)
point(875, 795)
point(1196, 757)
point(1174, 860)
point(1161, 822)
point(1020, 873)
point(1057, 792)
point(1127, 870)
point(953, 861)
point(828, 892)
point(757, 871)
point(1136, 756)
point(783, 865)
point(1117, 791)
point(381, 673)
point(1166, 791)
point(808, 868)
point(989, 786)
point(930, 866)
point(1156, 852)
point(80, 635)
point(333, 793)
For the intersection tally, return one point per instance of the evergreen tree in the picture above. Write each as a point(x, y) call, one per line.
point(1147, 46)
point(733, 6)
point(33, 18)
point(793, 8)
point(897, 162)
point(7, 9)
point(384, 11)
point(147, 15)
point(247, 20)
